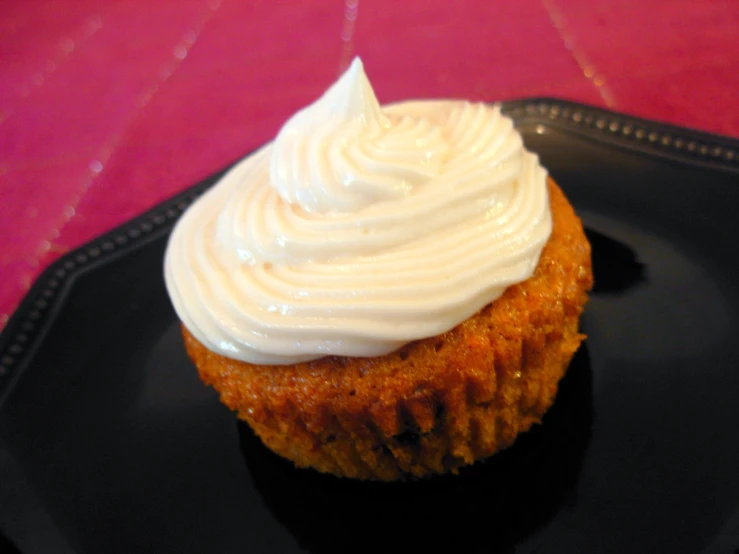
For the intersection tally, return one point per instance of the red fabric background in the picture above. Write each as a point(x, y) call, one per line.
point(109, 107)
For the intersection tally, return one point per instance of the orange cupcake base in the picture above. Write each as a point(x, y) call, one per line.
point(435, 404)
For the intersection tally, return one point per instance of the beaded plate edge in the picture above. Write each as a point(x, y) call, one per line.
point(25, 330)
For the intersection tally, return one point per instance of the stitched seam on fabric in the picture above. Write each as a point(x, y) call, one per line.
point(97, 165)
point(65, 48)
point(351, 12)
point(589, 71)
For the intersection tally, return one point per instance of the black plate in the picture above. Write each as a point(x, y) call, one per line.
point(109, 443)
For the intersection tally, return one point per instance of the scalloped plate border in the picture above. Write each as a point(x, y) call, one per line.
point(25, 330)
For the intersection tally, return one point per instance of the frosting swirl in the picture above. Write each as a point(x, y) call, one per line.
point(359, 229)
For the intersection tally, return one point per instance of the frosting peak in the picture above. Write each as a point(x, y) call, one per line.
point(360, 229)
point(343, 153)
point(350, 97)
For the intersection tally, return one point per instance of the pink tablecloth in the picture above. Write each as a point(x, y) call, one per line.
point(108, 107)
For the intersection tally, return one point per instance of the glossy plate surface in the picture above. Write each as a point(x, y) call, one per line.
point(109, 443)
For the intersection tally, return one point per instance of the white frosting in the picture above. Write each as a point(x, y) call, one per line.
point(359, 229)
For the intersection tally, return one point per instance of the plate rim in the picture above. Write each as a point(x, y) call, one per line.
point(25, 330)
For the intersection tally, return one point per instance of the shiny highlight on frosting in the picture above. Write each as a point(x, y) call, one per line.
point(359, 229)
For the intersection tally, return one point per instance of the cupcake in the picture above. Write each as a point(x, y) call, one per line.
point(383, 292)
